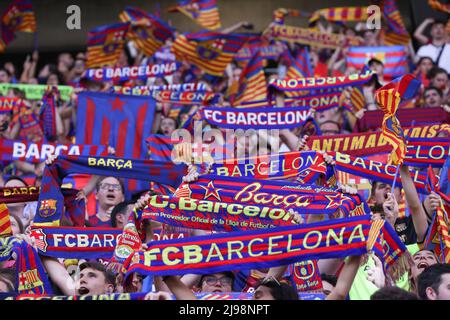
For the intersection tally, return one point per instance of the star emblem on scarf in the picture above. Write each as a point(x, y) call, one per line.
point(334, 201)
point(210, 190)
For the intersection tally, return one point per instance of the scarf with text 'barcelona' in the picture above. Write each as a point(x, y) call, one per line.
point(266, 248)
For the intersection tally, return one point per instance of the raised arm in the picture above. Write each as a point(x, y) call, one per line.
point(419, 33)
point(59, 275)
point(178, 288)
point(345, 280)
point(412, 199)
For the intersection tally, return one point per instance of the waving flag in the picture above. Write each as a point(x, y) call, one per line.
point(147, 31)
point(210, 51)
point(438, 239)
point(389, 97)
point(394, 59)
point(341, 14)
point(252, 83)
point(19, 16)
point(160, 147)
point(395, 33)
point(204, 12)
point(6, 36)
point(115, 120)
point(105, 44)
point(300, 67)
point(5, 222)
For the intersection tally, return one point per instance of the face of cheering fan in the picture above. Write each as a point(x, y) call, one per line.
point(110, 192)
point(168, 126)
point(93, 282)
point(432, 99)
point(422, 260)
point(216, 282)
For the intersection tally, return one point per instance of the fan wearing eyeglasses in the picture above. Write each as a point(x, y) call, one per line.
point(217, 282)
point(109, 193)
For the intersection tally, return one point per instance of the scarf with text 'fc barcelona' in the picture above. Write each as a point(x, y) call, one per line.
point(376, 171)
point(51, 199)
point(302, 198)
point(31, 277)
point(256, 118)
point(304, 166)
point(267, 248)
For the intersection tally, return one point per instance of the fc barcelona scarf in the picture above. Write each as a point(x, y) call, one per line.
point(132, 73)
point(420, 152)
point(31, 277)
point(376, 171)
point(5, 221)
point(307, 36)
point(341, 14)
point(75, 242)
point(306, 167)
point(177, 97)
point(35, 152)
point(51, 199)
point(256, 118)
point(48, 113)
point(265, 248)
point(35, 91)
point(302, 198)
point(300, 84)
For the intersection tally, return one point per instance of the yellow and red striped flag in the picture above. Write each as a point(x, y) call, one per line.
point(105, 44)
point(281, 13)
point(204, 12)
point(209, 51)
point(341, 14)
point(5, 222)
point(388, 98)
point(437, 5)
point(147, 31)
point(19, 16)
point(395, 32)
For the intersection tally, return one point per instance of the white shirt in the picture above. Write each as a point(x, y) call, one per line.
point(432, 51)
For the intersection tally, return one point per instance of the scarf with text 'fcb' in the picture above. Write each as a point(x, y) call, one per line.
point(266, 248)
point(388, 98)
point(127, 296)
point(31, 277)
point(22, 150)
point(376, 171)
point(302, 198)
point(304, 166)
point(256, 118)
point(173, 96)
point(300, 84)
point(312, 37)
point(75, 209)
point(420, 152)
point(51, 199)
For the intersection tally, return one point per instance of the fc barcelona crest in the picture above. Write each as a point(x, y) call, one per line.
point(47, 208)
point(210, 50)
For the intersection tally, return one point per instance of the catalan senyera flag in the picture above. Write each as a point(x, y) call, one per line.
point(340, 14)
point(438, 239)
point(395, 32)
point(19, 16)
point(148, 32)
point(300, 67)
point(5, 222)
point(437, 5)
point(204, 12)
point(105, 44)
point(388, 98)
point(252, 83)
point(209, 51)
point(6, 36)
point(281, 13)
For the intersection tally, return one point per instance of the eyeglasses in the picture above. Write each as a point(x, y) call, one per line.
point(213, 280)
point(107, 186)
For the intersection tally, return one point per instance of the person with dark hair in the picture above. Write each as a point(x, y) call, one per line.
point(5, 76)
point(438, 49)
point(120, 214)
point(432, 97)
point(378, 67)
point(110, 192)
point(439, 78)
point(330, 128)
point(393, 293)
point(95, 279)
point(272, 289)
point(421, 260)
point(7, 280)
point(328, 283)
point(434, 282)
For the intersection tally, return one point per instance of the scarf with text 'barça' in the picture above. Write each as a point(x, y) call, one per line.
point(22, 150)
point(267, 248)
point(51, 199)
point(303, 166)
point(302, 198)
point(31, 277)
point(376, 171)
point(75, 209)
